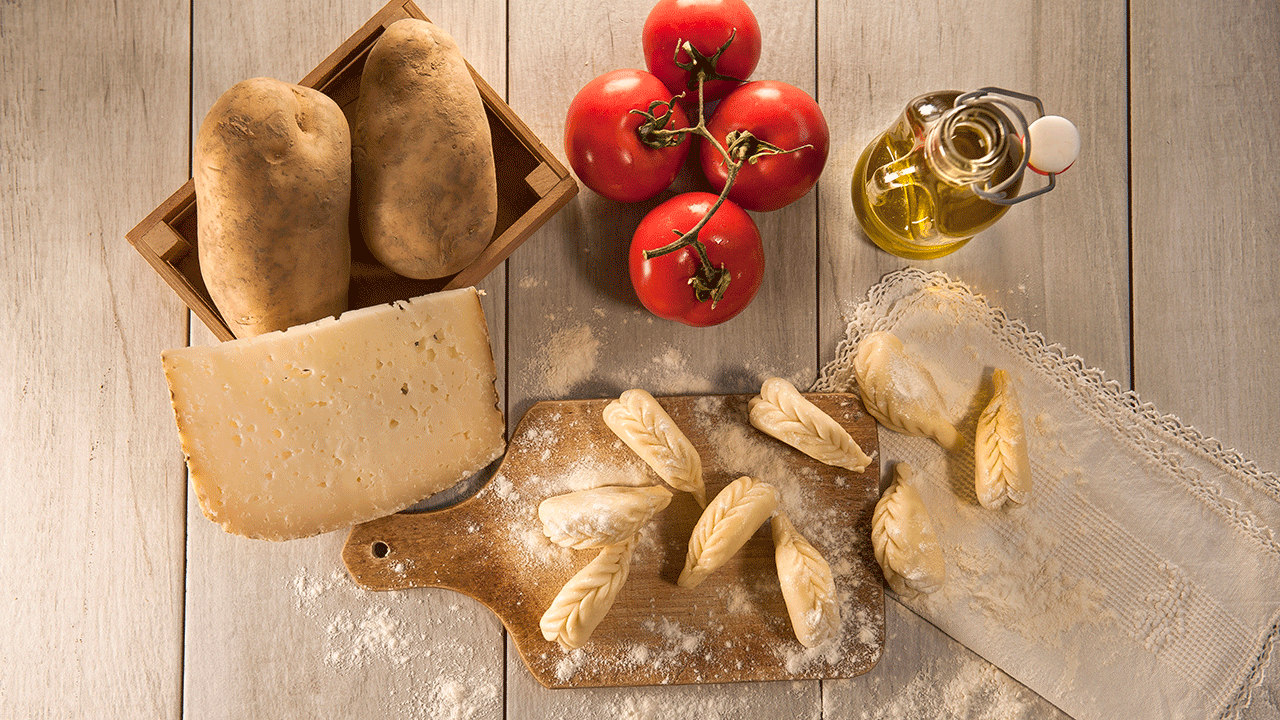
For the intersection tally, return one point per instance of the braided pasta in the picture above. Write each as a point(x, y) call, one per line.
point(900, 392)
point(641, 423)
point(584, 601)
point(808, 586)
point(782, 412)
point(1002, 466)
point(725, 526)
point(903, 539)
point(600, 516)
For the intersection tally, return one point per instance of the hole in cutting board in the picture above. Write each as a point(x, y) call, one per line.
point(380, 549)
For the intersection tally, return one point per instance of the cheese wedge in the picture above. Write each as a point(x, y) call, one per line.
point(340, 421)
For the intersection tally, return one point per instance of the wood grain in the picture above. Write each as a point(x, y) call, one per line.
point(92, 524)
point(731, 628)
point(1205, 215)
point(1206, 129)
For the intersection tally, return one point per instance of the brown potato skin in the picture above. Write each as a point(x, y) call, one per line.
point(426, 187)
point(273, 198)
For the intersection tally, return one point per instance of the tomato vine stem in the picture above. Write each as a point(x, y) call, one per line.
point(703, 67)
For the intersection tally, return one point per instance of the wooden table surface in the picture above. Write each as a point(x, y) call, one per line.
point(1153, 260)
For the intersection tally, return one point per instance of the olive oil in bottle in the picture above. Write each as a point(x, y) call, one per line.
point(940, 175)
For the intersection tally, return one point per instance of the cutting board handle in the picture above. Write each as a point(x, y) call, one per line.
point(411, 550)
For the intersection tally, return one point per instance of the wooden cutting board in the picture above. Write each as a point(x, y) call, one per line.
point(732, 627)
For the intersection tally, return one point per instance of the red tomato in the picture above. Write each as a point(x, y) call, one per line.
point(602, 142)
point(784, 116)
point(706, 25)
point(732, 240)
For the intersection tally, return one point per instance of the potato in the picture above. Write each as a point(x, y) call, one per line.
point(273, 198)
point(426, 188)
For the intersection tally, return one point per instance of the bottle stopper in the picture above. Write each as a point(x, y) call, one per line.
point(1055, 143)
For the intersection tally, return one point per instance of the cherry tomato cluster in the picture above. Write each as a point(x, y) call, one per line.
point(698, 257)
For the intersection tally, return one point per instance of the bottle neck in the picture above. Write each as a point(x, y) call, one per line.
point(970, 144)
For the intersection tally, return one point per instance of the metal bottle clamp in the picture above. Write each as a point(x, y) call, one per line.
point(992, 95)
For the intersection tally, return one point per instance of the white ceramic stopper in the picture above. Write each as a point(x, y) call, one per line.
point(1055, 143)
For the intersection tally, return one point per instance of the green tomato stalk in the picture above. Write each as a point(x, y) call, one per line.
point(702, 67)
point(710, 282)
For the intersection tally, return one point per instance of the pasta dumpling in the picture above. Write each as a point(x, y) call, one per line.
point(782, 412)
point(903, 538)
point(1002, 466)
point(600, 516)
point(900, 392)
point(584, 601)
point(725, 526)
point(808, 587)
point(640, 422)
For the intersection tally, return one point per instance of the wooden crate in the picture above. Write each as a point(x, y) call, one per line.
point(532, 186)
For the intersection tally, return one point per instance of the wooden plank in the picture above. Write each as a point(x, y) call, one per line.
point(1058, 262)
point(1205, 134)
point(93, 523)
point(278, 630)
point(577, 329)
point(1206, 131)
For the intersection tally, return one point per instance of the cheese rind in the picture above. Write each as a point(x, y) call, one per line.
point(340, 421)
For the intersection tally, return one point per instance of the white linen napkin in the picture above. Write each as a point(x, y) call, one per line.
point(1142, 577)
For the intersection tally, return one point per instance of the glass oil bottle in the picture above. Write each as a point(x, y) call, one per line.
point(950, 167)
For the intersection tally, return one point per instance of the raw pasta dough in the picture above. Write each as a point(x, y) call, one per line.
point(641, 423)
point(584, 601)
point(782, 412)
point(600, 516)
point(903, 539)
point(808, 586)
point(900, 392)
point(1002, 466)
point(725, 526)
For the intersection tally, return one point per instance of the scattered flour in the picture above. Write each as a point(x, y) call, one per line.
point(455, 700)
point(740, 601)
point(356, 639)
point(669, 371)
point(569, 665)
point(567, 359)
point(676, 638)
point(428, 677)
point(963, 689)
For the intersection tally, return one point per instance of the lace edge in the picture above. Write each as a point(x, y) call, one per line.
point(1254, 676)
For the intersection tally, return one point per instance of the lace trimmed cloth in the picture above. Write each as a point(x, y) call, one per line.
point(1142, 577)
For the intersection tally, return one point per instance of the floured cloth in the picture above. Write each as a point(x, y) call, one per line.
point(1142, 577)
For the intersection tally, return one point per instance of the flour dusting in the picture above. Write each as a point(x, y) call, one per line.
point(567, 359)
point(963, 689)
point(431, 676)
